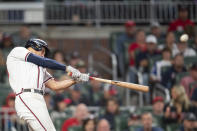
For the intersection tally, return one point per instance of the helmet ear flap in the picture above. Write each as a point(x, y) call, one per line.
point(33, 44)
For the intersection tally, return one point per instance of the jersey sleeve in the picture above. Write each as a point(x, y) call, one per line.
point(47, 77)
point(20, 53)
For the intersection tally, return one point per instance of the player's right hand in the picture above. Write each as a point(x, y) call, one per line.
point(83, 77)
point(75, 74)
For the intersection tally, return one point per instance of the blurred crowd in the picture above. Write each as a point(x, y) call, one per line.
point(155, 57)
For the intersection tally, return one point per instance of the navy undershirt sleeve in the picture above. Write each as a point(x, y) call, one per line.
point(45, 62)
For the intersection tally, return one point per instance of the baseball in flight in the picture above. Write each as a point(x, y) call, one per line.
point(184, 38)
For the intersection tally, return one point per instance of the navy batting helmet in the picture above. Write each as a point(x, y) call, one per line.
point(37, 44)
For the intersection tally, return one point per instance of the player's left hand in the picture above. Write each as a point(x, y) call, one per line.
point(83, 77)
point(75, 74)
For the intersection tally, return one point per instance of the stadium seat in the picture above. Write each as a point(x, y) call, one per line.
point(120, 123)
point(179, 76)
point(145, 109)
point(75, 128)
point(101, 111)
point(59, 122)
point(69, 112)
point(157, 120)
point(188, 61)
point(133, 128)
point(172, 127)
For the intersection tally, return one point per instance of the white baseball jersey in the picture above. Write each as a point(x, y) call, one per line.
point(29, 106)
point(23, 74)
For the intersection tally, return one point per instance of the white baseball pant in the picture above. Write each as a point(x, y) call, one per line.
point(32, 108)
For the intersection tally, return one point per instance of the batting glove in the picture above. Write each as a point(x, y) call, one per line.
point(83, 77)
point(75, 74)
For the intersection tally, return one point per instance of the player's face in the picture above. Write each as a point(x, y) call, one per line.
point(41, 53)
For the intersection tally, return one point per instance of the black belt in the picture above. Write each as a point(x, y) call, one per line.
point(41, 92)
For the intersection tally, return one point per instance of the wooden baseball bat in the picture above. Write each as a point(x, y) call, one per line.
point(132, 86)
point(128, 85)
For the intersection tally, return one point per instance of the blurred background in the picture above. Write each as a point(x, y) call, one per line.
point(136, 41)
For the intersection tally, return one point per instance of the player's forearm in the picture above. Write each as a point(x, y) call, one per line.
point(60, 85)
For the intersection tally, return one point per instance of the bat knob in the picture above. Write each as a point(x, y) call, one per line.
point(69, 73)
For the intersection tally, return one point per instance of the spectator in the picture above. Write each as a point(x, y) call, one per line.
point(170, 42)
point(60, 105)
point(138, 46)
point(81, 66)
point(112, 111)
point(76, 96)
point(59, 57)
point(158, 105)
point(20, 37)
point(134, 49)
point(187, 80)
point(9, 111)
point(2, 60)
point(147, 121)
point(7, 45)
point(194, 99)
point(156, 73)
point(110, 91)
point(89, 124)
point(142, 60)
point(74, 58)
point(121, 42)
point(180, 99)
point(169, 77)
point(183, 48)
point(95, 91)
point(103, 125)
point(142, 57)
point(170, 115)
point(188, 122)
point(3, 68)
point(178, 106)
point(156, 31)
point(81, 113)
point(134, 120)
point(182, 22)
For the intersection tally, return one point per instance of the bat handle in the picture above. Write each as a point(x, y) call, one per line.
point(69, 73)
point(90, 77)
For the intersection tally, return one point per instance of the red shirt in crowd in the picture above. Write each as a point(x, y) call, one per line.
point(134, 47)
point(175, 25)
point(69, 123)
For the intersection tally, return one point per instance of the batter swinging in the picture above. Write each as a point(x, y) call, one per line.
point(28, 78)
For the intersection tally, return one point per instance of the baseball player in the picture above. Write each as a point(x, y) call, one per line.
point(28, 78)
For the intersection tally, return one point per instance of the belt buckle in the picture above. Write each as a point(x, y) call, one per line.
point(43, 92)
point(32, 90)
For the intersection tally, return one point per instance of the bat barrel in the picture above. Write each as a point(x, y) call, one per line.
point(131, 86)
